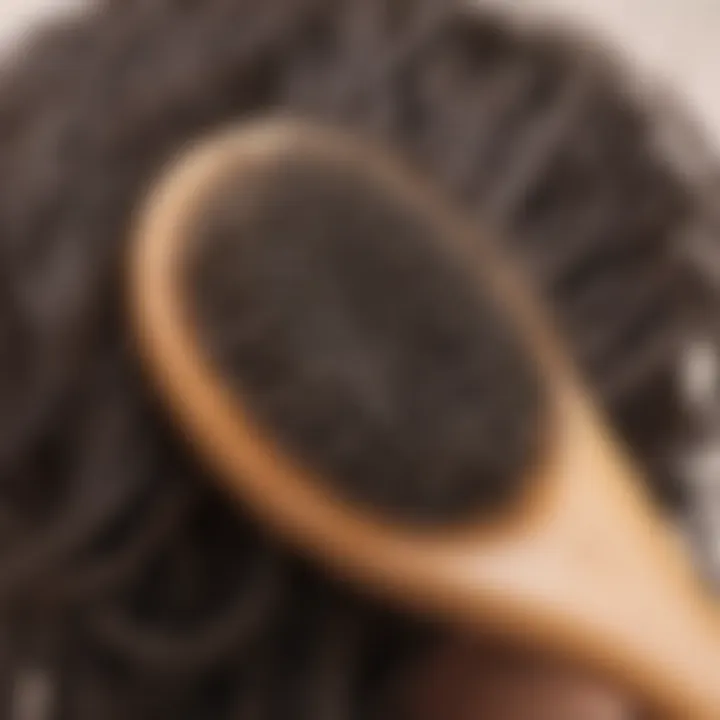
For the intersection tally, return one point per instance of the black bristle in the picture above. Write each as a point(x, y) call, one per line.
point(362, 341)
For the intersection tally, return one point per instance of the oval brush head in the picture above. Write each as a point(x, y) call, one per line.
point(370, 383)
point(367, 354)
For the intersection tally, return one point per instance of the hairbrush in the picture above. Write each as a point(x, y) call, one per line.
point(340, 349)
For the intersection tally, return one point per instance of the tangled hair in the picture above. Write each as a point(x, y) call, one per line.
point(128, 589)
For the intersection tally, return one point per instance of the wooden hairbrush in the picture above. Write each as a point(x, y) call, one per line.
point(580, 564)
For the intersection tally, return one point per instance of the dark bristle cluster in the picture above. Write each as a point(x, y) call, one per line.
point(361, 341)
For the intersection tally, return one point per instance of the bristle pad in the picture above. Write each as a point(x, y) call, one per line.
point(361, 342)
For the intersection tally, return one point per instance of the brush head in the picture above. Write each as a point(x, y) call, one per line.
point(538, 575)
point(359, 339)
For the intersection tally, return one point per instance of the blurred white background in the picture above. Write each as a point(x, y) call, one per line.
point(677, 40)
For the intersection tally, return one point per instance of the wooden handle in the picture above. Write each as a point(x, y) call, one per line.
point(584, 567)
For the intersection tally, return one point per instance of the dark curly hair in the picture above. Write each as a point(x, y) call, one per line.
point(128, 588)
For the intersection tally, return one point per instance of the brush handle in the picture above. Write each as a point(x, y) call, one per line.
point(597, 578)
